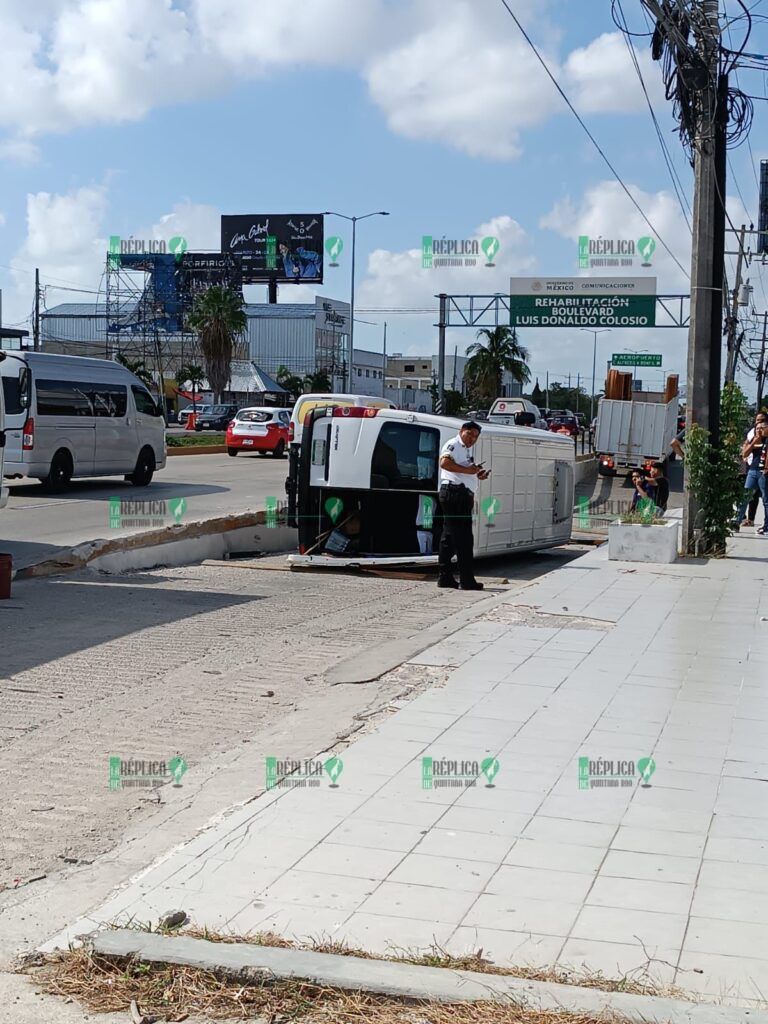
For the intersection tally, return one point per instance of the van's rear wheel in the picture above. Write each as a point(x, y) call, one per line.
point(145, 468)
point(60, 473)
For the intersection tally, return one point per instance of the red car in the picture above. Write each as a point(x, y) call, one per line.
point(259, 430)
point(565, 425)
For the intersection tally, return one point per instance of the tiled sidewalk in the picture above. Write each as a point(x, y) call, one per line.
point(535, 869)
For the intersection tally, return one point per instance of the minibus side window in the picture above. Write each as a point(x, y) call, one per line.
point(63, 398)
point(109, 400)
point(405, 458)
point(145, 403)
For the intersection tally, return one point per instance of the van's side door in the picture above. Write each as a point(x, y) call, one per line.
point(64, 418)
point(150, 425)
point(115, 449)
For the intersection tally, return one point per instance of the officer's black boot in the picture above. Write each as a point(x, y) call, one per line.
point(447, 582)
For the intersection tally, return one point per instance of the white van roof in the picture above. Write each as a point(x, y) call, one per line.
point(72, 366)
point(486, 429)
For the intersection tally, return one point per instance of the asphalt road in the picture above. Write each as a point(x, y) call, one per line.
point(36, 525)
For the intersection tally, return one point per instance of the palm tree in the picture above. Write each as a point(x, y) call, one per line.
point(219, 320)
point(194, 375)
point(318, 382)
point(500, 352)
point(293, 385)
point(135, 366)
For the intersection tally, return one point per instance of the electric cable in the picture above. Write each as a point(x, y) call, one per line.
point(591, 137)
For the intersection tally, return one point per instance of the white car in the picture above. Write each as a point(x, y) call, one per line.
point(200, 409)
point(504, 410)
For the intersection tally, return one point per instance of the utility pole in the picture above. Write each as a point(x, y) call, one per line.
point(732, 324)
point(441, 354)
point(761, 366)
point(36, 322)
point(384, 371)
point(708, 254)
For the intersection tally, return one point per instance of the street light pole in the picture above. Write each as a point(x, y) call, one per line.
point(351, 342)
point(589, 330)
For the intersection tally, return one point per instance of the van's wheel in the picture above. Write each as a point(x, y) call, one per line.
point(232, 452)
point(145, 468)
point(60, 473)
point(279, 450)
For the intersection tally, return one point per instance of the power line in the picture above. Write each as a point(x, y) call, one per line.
point(591, 137)
point(676, 182)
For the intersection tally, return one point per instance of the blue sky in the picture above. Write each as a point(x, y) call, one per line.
point(152, 117)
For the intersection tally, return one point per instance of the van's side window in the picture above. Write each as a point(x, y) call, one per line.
point(109, 400)
point(63, 398)
point(405, 458)
point(145, 403)
point(12, 396)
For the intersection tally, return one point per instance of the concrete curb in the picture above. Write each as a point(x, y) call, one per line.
point(407, 981)
point(171, 545)
point(200, 449)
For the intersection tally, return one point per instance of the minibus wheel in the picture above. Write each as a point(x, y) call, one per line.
point(145, 468)
point(60, 473)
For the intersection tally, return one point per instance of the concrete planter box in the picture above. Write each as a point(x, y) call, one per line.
point(628, 542)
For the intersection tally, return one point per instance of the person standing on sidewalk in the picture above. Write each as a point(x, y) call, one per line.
point(459, 476)
point(755, 452)
point(760, 421)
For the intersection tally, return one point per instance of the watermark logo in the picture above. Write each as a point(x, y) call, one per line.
point(118, 247)
point(270, 512)
point(458, 252)
point(615, 252)
point(490, 247)
point(444, 773)
point(334, 507)
point(646, 766)
point(144, 773)
point(610, 774)
point(334, 246)
point(127, 513)
point(287, 773)
point(490, 506)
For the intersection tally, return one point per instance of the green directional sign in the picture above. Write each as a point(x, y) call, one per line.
point(592, 311)
point(635, 359)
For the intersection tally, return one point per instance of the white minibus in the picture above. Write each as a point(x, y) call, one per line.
point(68, 416)
point(367, 488)
point(3, 488)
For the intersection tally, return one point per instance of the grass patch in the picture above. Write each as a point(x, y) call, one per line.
point(172, 992)
point(193, 440)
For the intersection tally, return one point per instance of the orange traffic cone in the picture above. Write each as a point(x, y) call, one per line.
point(191, 421)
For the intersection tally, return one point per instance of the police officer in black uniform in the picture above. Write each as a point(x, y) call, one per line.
point(459, 476)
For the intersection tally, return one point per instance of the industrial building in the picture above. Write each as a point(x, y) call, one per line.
point(305, 338)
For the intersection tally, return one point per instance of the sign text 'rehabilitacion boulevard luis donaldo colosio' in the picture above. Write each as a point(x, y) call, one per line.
point(582, 302)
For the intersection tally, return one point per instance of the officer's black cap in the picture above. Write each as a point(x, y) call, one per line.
point(471, 425)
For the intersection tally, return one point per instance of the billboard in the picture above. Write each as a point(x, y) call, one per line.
point(281, 247)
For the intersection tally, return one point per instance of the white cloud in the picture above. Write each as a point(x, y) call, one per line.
point(449, 71)
point(606, 210)
point(19, 150)
point(398, 278)
point(64, 237)
point(602, 78)
point(466, 80)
